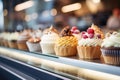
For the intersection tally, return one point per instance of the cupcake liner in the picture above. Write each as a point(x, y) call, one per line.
point(12, 44)
point(47, 48)
point(22, 45)
point(88, 52)
point(34, 47)
point(5, 42)
point(65, 50)
point(111, 56)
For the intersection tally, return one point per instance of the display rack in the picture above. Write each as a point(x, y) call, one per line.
point(63, 66)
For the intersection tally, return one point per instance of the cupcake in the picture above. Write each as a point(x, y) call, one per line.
point(1, 38)
point(5, 39)
point(89, 46)
point(75, 32)
point(111, 48)
point(12, 41)
point(66, 45)
point(33, 44)
point(22, 39)
point(48, 41)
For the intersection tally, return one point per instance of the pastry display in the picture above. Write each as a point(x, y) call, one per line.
point(89, 46)
point(48, 41)
point(33, 44)
point(12, 41)
point(66, 44)
point(75, 31)
point(111, 48)
point(23, 37)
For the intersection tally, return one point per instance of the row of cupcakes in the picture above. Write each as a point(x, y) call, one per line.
point(90, 44)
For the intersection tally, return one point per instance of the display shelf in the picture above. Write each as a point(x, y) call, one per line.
point(64, 65)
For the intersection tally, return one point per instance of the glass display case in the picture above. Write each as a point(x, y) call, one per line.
point(63, 68)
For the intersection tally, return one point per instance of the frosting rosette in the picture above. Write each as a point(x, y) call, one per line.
point(112, 40)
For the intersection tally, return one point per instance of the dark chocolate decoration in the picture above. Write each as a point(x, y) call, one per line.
point(66, 32)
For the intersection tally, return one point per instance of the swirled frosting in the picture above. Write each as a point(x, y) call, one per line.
point(112, 40)
point(24, 36)
point(13, 36)
point(90, 42)
point(49, 38)
point(67, 41)
point(66, 38)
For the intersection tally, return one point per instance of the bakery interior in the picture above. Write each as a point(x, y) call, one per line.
point(59, 39)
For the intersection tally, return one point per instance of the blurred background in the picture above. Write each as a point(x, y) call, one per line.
point(17, 15)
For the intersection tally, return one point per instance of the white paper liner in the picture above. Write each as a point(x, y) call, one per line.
point(33, 47)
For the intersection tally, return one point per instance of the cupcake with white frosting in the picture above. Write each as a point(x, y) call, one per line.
point(48, 41)
point(89, 46)
point(111, 48)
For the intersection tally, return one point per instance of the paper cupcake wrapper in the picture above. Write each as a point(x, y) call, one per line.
point(110, 52)
point(33, 47)
point(111, 56)
point(47, 48)
point(88, 52)
point(65, 50)
point(13, 44)
point(22, 46)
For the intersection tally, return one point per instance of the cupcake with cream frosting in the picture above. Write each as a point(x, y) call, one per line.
point(22, 39)
point(111, 48)
point(75, 32)
point(6, 38)
point(12, 41)
point(66, 45)
point(48, 41)
point(89, 46)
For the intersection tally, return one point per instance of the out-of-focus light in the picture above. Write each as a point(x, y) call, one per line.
point(96, 1)
point(24, 5)
point(27, 18)
point(34, 15)
point(46, 13)
point(5, 12)
point(71, 7)
point(47, 0)
point(53, 12)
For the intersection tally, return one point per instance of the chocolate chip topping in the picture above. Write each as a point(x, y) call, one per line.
point(66, 32)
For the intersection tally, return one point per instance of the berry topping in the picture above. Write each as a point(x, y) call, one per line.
point(76, 32)
point(85, 36)
point(90, 31)
point(73, 28)
point(83, 32)
point(91, 35)
point(99, 36)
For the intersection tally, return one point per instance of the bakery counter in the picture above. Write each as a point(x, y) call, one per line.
point(71, 68)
